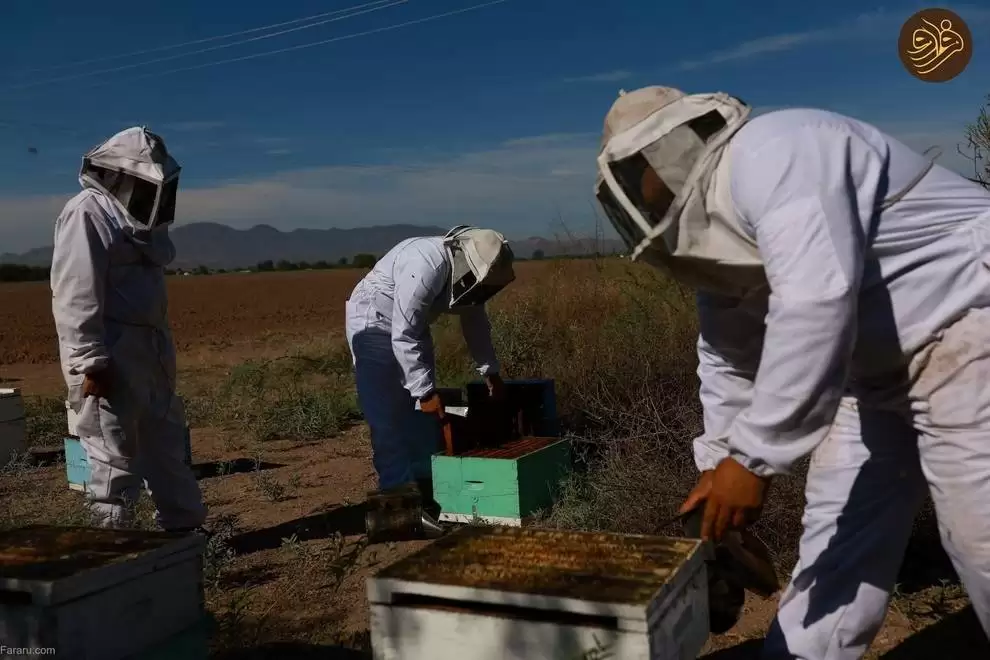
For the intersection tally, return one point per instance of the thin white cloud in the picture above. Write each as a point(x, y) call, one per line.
point(604, 77)
point(949, 140)
point(270, 140)
point(865, 25)
point(518, 187)
point(193, 126)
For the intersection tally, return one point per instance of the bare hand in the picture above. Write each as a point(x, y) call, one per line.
point(98, 384)
point(699, 493)
point(734, 501)
point(432, 405)
point(496, 387)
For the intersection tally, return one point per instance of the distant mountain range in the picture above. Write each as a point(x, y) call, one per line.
point(218, 246)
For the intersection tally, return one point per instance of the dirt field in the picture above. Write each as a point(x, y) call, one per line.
point(285, 464)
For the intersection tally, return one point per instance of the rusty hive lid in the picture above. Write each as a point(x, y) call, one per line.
point(46, 553)
point(612, 568)
point(515, 449)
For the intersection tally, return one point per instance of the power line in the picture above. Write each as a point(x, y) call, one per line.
point(312, 44)
point(271, 26)
point(98, 72)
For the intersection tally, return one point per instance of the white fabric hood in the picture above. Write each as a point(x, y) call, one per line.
point(481, 264)
point(682, 138)
point(135, 169)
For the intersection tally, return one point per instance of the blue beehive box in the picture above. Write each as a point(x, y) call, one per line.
point(77, 466)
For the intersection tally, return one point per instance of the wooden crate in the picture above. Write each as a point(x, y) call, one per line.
point(502, 486)
point(13, 429)
point(508, 593)
point(77, 464)
point(98, 594)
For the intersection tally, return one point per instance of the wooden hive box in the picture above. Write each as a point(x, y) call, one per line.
point(13, 429)
point(531, 406)
point(502, 486)
point(509, 593)
point(508, 461)
point(100, 594)
point(76, 462)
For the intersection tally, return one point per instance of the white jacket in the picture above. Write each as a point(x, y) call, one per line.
point(855, 293)
point(100, 276)
point(409, 289)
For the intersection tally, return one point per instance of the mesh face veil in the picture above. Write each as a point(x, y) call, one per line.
point(481, 264)
point(661, 137)
point(135, 169)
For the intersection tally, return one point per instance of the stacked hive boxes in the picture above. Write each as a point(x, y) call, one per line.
point(508, 460)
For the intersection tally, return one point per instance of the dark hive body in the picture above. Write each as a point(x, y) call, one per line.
point(490, 424)
point(579, 565)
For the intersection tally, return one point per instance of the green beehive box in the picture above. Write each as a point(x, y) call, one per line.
point(501, 486)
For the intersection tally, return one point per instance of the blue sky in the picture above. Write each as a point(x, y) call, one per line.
point(490, 116)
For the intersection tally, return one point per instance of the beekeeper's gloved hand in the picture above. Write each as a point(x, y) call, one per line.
point(432, 405)
point(496, 387)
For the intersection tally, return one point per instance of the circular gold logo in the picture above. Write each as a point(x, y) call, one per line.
point(935, 45)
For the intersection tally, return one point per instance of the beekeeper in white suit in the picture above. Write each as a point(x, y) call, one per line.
point(388, 330)
point(843, 290)
point(111, 314)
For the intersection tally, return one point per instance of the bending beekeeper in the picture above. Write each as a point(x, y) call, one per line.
point(843, 290)
point(388, 330)
point(110, 308)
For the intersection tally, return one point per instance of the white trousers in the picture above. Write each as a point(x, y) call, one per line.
point(136, 436)
point(403, 439)
point(867, 481)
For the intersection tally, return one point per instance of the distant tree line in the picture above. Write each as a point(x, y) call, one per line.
point(358, 261)
point(21, 273)
point(270, 265)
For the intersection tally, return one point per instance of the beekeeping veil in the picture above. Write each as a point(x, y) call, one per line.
point(135, 170)
point(682, 138)
point(481, 264)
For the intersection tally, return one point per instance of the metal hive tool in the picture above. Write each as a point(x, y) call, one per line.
point(582, 565)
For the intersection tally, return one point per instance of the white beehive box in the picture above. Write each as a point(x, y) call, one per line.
point(509, 593)
point(98, 594)
point(13, 429)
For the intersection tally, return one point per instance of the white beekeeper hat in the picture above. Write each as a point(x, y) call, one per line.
point(481, 264)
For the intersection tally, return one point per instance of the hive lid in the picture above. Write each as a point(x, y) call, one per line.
point(512, 450)
point(586, 566)
point(55, 564)
point(9, 392)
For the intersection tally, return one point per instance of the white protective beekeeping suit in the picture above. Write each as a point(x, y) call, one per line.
point(844, 298)
point(388, 330)
point(111, 312)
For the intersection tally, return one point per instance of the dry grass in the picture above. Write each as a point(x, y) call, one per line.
point(618, 340)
